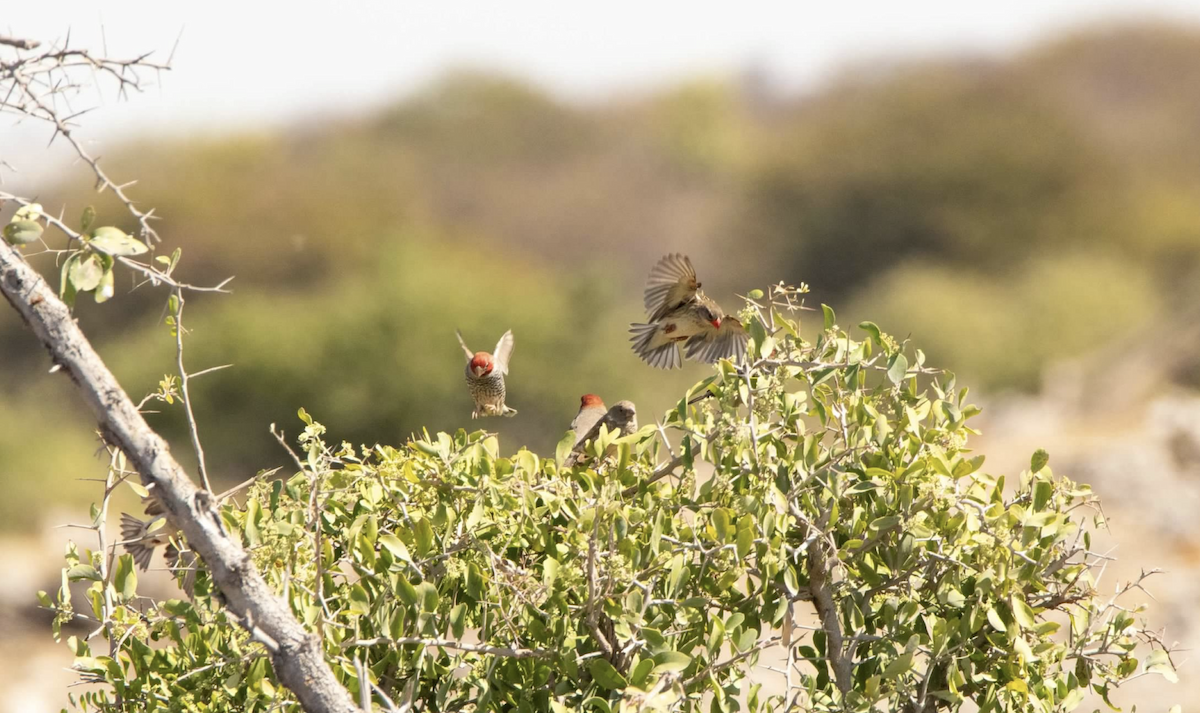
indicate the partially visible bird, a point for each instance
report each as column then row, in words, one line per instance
column 140, row 537
column 591, row 410
column 485, row 377
column 680, row 312
column 621, row 418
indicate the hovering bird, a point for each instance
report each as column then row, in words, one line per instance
column 485, row 377
column 591, row 410
column 141, row 537
column 680, row 312
column 621, row 418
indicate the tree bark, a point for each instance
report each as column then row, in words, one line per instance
column 297, row 655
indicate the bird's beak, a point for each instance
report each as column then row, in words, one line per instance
column 716, row 323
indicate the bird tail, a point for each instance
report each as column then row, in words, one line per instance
column 133, row 535
column 663, row 356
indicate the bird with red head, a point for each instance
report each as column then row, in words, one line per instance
column 485, row 377
column 591, row 410
column 680, row 313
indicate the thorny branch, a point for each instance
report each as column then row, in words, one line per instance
column 33, row 85
column 297, row 655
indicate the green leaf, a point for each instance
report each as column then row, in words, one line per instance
column 1039, row 460
column 360, row 603
column 755, row 294
column 66, row 289
column 898, row 368
column 428, row 595
column 607, row 676
column 563, row 449
column 872, row 329
column 86, row 220
column 886, row 522
column 549, row 572
column 641, row 672
column 125, row 578
column 253, row 517
column 116, row 242
column 423, row 532
column 1022, row 613
column 396, row 547
column 405, row 590
column 830, row 317
column 458, row 620
column 1042, row 491
column 33, row 211
column 104, row 290
column 745, row 535
column 84, row 571
column 898, row 666
column 86, row 273
column 995, row 620
column 671, row 661
column 22, row 232
column 721, row 523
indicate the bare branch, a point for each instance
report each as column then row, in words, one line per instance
column 184, row 377
column 37, row 82
column 19, row 43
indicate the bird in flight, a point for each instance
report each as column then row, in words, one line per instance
column 485, row 377
column 681, row 314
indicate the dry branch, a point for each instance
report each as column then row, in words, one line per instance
column 298, row 656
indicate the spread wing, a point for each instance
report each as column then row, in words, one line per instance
column 672, row 282
column 470, row 354
column 503, row 352
column 710, row 344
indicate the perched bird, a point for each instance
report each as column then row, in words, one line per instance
column 680, row 312
column 591, row 410
column 485, row 377
column 621, row 418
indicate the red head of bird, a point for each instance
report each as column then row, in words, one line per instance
column 591, row 400
column 481, row 364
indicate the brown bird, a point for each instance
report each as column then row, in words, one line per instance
column 621, row 418
column 485, row 377
column 141, row 537
column 680, row 312
column 591, row 410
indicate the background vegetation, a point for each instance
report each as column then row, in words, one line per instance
column 1004, row 213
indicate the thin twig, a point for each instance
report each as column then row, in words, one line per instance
column 193, row 427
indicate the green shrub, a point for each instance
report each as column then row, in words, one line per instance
column 831, row 476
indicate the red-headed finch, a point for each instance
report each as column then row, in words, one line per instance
column 485, row 377
column 680, row 312
column 591, row 410
column 621, row 419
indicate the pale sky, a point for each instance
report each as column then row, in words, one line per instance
column 246, row 63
